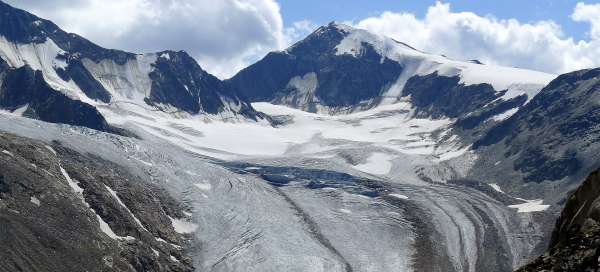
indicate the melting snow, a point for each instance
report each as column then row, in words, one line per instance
column 399, row 196
column 51, row 149
column 104, row 227
column 74, row 185
column 182, row 226
column 530, row 206
column 505, row 115
column 34, row 200
column 114, row 194
column 496, row 187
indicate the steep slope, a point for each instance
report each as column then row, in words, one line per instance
column 550, row 143
column 167, row 81
column 575, row 244
column 339, row 69
column 64, row 211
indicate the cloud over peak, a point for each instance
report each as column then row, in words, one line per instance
column 465, row 35
column 223, row 35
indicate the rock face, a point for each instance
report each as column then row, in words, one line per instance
column 177, row 71
column 64, row 211
column 575, row 244
column 83, row 71
column 340, row 69
column 23, row 89
column 551, row 139
column 311, row 73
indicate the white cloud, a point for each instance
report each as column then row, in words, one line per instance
column 299, row 30
column 465, row 35
column 590, row 14
column 224, row 35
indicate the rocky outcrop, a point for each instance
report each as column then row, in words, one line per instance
column 25, row 89
column 575, row 244
column 177, row 80
column 64, row 211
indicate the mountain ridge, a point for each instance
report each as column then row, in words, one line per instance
column 97, row 76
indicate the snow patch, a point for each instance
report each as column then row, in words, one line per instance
column 8, row 153
column 182, row 226
column 399, row 196
column 44, row 57
column 50, row 149
column 21, row 110
column 118, row 199
column 35, row 201
column 377, row 164
column 530, row 206
column 505, row 115
column 104, row 227
column 496, row 187
column 73, row 184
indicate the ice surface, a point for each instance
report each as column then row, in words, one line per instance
column 377, row 163
column 247, row 224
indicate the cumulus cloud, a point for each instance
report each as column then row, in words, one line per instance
column 465, row 35
column 224, row 36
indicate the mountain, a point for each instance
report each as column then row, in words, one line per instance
column 575, row 240
column 38, row 54
column 348, row 151
column 341, row 69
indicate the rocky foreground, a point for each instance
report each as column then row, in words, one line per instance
column 575, row 244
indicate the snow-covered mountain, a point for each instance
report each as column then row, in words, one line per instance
column 348, row 151
column 92, row 76
column 340, row 69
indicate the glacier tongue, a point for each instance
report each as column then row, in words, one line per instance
column 310, row 211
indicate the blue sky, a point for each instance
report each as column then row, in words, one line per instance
column 321, row 12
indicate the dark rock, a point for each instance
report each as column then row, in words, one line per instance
column 46, row 226
column 438, row 96
column 343, row 81
column 25, row 87
column 574, row 245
